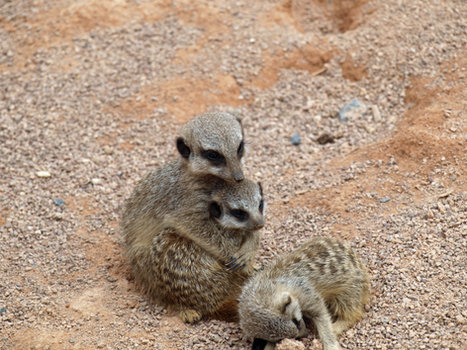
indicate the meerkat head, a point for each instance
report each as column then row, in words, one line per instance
column 213, row 143
column 270, row 314
column 238, row 206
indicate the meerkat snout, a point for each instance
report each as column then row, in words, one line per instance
column 238, row 177
column 259, row 224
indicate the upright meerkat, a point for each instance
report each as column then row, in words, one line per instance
column 201, row 259
column 323, row 280
column 171, row 207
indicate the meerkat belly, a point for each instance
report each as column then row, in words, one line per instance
column 188, row 276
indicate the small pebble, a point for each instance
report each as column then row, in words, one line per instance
column 325, row 138
column 95, row 181
column 295, row 139
column 58, row 201
column 376, row 113
column 461, row 319
column 352, row 110
column 72, row 341
column 386, row 199
column 2, row 310
column 441, row 208
column 43, row 174
column 290, row 344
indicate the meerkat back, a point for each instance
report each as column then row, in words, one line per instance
column 322, row 280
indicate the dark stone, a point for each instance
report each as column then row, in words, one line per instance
column 295, row 139
column 58, row 202
column 325, row 138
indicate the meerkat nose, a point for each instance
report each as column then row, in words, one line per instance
column 238, row 177
column 259, row 224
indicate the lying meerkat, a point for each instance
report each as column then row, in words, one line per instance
column 323, row 280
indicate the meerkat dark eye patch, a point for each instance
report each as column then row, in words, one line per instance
column 239, row 214
column 213, row 156
column 296, row 322
column 259, row 344
column 215, row 210
column 261, row 205
column 241, row 148
column 183, row 148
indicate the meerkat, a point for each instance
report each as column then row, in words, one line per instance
column 213, row 144
column 322, row 280
column 212, row 147
column 201, row 259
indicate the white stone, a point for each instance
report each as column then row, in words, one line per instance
column 43, row 174
column 376, row 113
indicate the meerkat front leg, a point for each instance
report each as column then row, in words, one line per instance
column 326, row 331
column 243, row 259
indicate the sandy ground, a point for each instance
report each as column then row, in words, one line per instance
column 93, row 93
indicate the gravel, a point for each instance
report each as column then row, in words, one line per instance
column 91, row 99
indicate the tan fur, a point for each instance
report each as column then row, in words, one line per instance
column 182, row 256
column 220, row 132
column 323, row 280
column 186, row 267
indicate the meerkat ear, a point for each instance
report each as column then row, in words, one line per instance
column 286, row 299
column 183, row 148
column 215, row 210
column 241, row 126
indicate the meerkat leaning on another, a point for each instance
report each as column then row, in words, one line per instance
column 189, row 265
column 322, row 280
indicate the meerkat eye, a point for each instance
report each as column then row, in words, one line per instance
column 239, row 214
column 261, row 205
column 297, row 323
column 213, row 156
column 215, row 210
column 241, row 148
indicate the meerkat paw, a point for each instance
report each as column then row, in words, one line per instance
column 241, row 262
column 189, row 316
column 252, row 267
